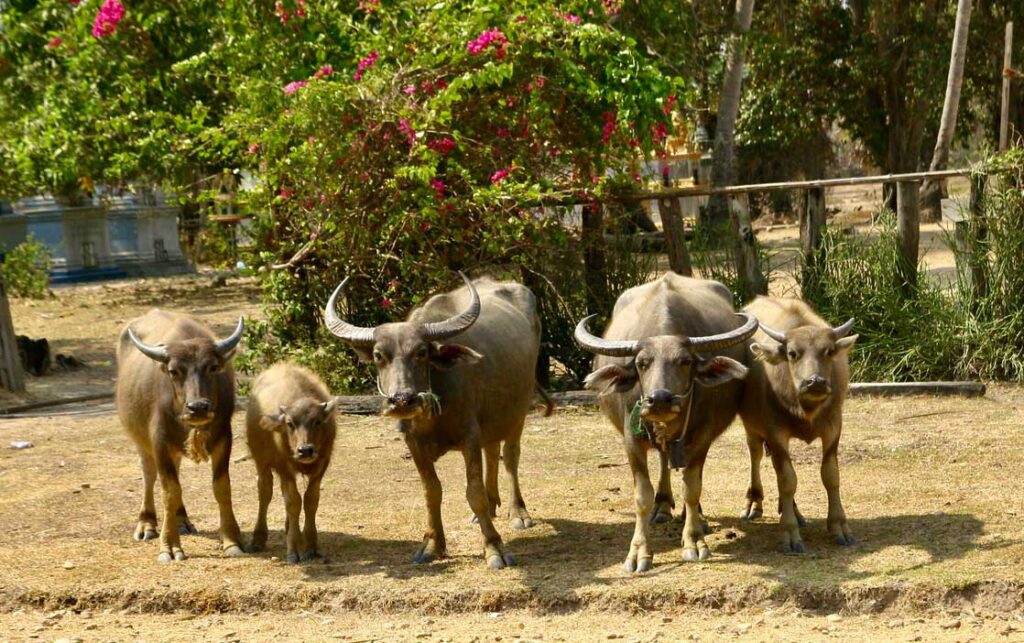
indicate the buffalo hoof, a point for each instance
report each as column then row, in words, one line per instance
column 691, row 554
column 751, row 514
column 234, row 551
column 501, row 562
column 661, row 517
column 792, row 548
column 292, row 558
column 423, row 557
column 186, row 528
column 845, row 540
column 255, row 548
column 148, row 534
column 168, row 557
column 310, row 556
column 521, row 523
column 638, row 565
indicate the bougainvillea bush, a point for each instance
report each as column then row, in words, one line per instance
column 394, row 142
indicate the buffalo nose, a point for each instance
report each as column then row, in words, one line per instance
column 198, row 406
column 403, row 399
column 306, row 451
column 814, row 385
column 661, row 396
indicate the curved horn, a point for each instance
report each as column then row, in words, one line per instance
column 355, row 335
column 725, row 340
column 455, row 325
column 601, row 346
column 228, row 344
column 158, row 352
column 774, row 334
column 841, row 331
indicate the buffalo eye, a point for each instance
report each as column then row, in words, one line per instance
column 830, row 351
column 378, row 357
column 642, row 364
column 792, row 354
column 421, row 353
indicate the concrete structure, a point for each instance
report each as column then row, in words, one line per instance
column 104, row 238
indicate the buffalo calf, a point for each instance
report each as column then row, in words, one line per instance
column 175, row 397
column 795, row 388
column 290, row 428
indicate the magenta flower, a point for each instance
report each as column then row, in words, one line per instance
column 323, row 72
column 107, row 19
column 53, row 44
column 568, row 17
column 439, row 188
column 608, row 128
column 294, row 86
column 74, row 1
column 285, row 193
column 405, row 128
column 660, row 131
column 500, row 176
column 255, row 147
column 487, row 38
column 411, row 89
column 385, row 303
column 369, row 6
column 365, row 64
column 669, row 102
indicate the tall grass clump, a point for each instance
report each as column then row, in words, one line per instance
column 904, row 335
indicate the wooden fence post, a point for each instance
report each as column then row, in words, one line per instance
column 595, row 271
column 970, row 236
column 751, row 279
column 11, row 377
column 812, row 225
column 675, row 236
column 908, row 226
column 1004, row 108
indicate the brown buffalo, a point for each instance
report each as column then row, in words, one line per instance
column 468, row 396
column 290, row 428
column 175, row 396
column 657, row 360
column 796, row 388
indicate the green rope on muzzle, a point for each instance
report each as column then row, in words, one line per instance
column 637, row 426
column 431, row 400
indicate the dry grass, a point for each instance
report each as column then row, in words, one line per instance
column 932, row 488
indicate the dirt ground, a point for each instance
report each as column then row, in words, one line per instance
column 931, row 486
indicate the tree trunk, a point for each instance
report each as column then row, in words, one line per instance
column 723, row 171
column 933, row 191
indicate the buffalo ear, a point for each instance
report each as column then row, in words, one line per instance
column 330, row 405
column 846, row 343
column 445, row 356
column 273, row 422
column 613, row 377
column 364, row 354
column 768, row 355
column 719, row 370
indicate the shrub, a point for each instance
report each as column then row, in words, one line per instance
column 26, row 269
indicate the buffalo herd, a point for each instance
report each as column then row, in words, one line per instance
column 673, row 368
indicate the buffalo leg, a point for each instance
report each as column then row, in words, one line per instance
column 791, row 541
column 518, row 516
column 640, row 557
column 220, row 458
column 755, row 492
column 491, row 477
column 694, row 545
column 433, row 538
column 170, row 539
column 185, row 526
column 292, row 508
column 830, row 478
column 146, row 527
column 265, row 491
column 663, row 501
column 310, row 504
column 476, row 495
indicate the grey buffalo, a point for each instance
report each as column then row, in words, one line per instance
column 668, row 367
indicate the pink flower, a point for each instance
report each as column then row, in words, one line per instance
column 411, row 89
column 53, row 44
column 385, row 303
column 669, row 102
column 405, row 128
column 107, row 19
column 255, row 147
column 294, row 86
column 491, row 37
column 323, row 72
column 369, row 6
column 568, row 17
column 500, row 176
column 442, row 145
column 74, row 1
column 608, row 128
column 365, row 64
column 285, row 194
column 439, row 188
column 660, row 131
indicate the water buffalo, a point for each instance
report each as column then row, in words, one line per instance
column 175, row 396
column 796, row 388
column 658, row 345
column 290, row 429
column 469, row 396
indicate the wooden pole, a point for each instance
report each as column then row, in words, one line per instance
column 595, row 271
column 11, row 377
column 1004, row 111
column 675, row 236
column 812, row 224
column 908, row 226
column 974, row 244
column 751, row 279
